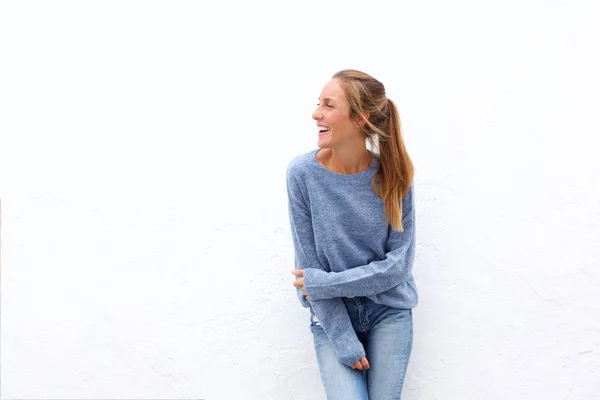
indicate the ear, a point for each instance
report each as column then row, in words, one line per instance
column 361, row 122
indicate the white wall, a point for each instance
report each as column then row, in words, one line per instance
column 145, row 241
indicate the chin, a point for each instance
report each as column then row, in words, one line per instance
column 324, row 144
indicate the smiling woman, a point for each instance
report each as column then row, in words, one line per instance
column 352, row 221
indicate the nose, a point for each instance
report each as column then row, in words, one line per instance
column 317, row 115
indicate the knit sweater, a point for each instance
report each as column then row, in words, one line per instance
column 346, row 248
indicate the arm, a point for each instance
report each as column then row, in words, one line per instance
column 377, row 276
column 332, row 313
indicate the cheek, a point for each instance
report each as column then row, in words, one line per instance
column 335, row 120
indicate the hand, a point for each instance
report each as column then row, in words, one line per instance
column 299, row 283
column 361, row 364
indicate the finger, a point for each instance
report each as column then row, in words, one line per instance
column 308, row 298
column 299, row 283
column 298, row 272
column 365, row 363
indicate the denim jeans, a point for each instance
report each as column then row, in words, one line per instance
column 386, row 333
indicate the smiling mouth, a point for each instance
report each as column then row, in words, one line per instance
column 323, row 130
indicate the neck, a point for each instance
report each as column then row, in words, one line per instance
column 347, row 160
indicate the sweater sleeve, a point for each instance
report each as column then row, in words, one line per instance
column 332, row 313
column 377, row 276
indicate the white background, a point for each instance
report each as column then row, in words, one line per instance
column 146, row 250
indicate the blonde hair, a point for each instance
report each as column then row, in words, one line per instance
column 369, row 103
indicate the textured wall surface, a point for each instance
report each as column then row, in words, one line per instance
column 146, row 251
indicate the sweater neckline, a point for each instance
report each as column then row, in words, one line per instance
column 319, row 168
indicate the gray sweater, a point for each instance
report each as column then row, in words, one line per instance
column 346, row 248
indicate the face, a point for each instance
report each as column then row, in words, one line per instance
column 335, row 127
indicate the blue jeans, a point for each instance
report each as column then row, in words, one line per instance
column 386, row 333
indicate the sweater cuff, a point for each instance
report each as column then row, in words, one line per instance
column 314, row 280
column 348, row 349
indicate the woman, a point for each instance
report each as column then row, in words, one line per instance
column 353, row 227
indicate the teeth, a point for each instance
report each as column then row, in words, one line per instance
column 322, row 128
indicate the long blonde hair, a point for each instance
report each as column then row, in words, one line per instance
column 369, row 103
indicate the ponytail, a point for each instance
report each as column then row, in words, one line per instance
column 395, row 174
